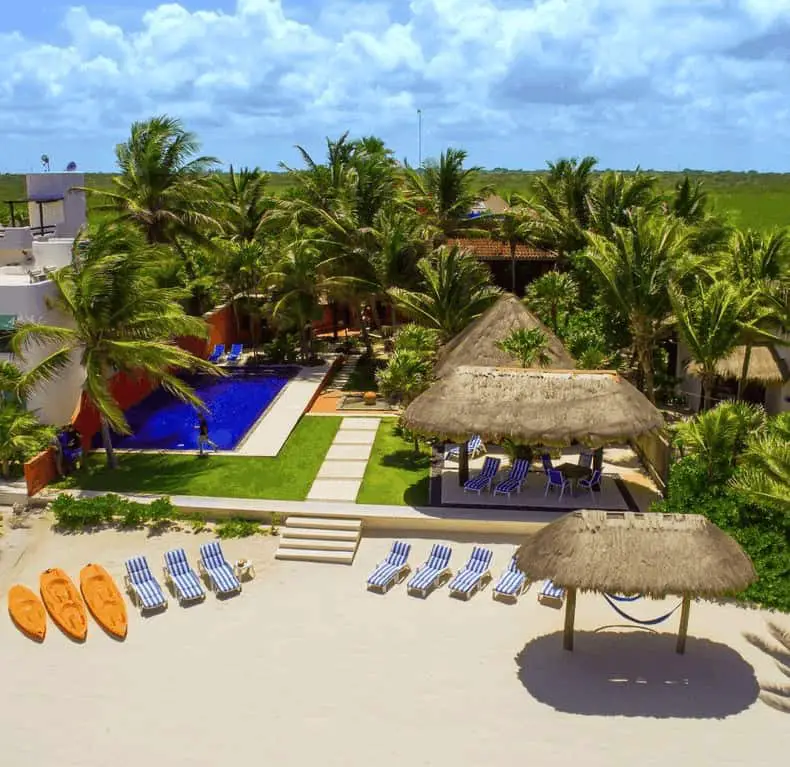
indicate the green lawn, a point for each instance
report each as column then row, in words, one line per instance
column 395, row 474
column 287, row 477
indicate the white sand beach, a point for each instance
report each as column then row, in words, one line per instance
column 307, row 668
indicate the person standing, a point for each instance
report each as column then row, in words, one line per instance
column 203, row 439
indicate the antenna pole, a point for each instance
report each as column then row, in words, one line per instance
column 419, row 138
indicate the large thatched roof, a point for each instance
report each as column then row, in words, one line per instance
column 477, row 344
column 629, row 553
column 532, row 407
column 765, row 365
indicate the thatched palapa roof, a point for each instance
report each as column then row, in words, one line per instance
column 532, row 407
column 765, row 365
column 630, row 553
column 477, row 344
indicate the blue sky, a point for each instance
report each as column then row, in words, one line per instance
column 666, row 84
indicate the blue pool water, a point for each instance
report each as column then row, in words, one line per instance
column 235, row 403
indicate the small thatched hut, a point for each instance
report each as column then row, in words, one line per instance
column 533, row 407
column 630, row 553
column 765, row 365
column 477, row 344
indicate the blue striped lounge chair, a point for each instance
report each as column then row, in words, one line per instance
column 515, row 479
column 392, row 570
column 182, row 578
column 473, row 575
column 234, row 355
column 215, row 568
column 484, row 479
column 551, row 595
column 429, row 575
column 474, row 448
column 512, row 583
column 217, row 353
column 143, row 588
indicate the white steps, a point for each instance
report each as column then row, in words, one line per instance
column 317, row 539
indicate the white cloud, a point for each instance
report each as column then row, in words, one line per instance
column 594, row 75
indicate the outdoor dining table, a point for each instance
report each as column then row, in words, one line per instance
column 574, row 472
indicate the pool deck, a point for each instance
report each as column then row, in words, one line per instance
column 268, row 435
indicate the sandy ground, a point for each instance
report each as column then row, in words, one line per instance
column 307, row 668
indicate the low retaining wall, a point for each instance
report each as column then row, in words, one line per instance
column 40, row 471
column 655, row 452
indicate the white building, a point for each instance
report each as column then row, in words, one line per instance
column 28, row 254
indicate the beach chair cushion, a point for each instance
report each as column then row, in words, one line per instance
column 186, row 580
column 144, row 583
column 518, row 473
column 218, row 569
column 437, row 563
column 551, row 591
column 470, row 574
column 399, row 553
column 217, row 352
column 387, row 570
column 473, row 446
column 486, row 475
column 235, row 352
column 510, row 582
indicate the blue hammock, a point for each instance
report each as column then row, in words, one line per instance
column 628, row 617
column 618, row 598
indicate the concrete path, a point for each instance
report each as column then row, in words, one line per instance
column 341, row 474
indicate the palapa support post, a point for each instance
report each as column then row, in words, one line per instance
column 570, row 616
column 685, row 609
column 463, row 463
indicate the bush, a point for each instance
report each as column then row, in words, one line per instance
column 73, row 513
column 237, row 528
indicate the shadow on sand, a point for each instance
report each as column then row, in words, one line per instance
column 637, row 674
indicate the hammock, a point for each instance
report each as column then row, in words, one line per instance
column 653, row 622
column 618, row 598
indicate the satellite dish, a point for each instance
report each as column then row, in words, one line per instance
column 45, row 162
column 71, row 167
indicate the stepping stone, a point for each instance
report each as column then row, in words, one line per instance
column 342, row 470
column 334, row 490
column 348, row 452
column 349, row 437
column 360, row 424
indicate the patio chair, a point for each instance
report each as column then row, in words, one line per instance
column 473, row 575
column 181, row 578
column 484, row 479
column 551, row 595
column 585, row 459
column 474, row 448
column 215, row 568
column 144, row 590
column 234, row 355
column 515, row 479
column 512, row 583
column 393, row 569
column 217, row 353
column 589, row 484
column 556, row 479
column 429, row 575
column 547, row 464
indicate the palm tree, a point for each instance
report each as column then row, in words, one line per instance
column 162, row 187
column 635, row 269
column 764, row 473
column 21, row 434
column 444, row 191
column 515, row 226
column 407, row 374
column 121, row 321
column 245, row 265
column 529, row 346
column 551, row 295
column 243, row 203
column 713, row 321
column 456, row 290
column 691, row 204
column 614, row 196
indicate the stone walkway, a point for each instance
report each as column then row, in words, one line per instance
column 341, row 474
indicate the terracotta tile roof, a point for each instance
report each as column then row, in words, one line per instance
column 493, row 250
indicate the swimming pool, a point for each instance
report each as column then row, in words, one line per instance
column 234, row 404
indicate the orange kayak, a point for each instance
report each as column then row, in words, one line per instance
column 104, row 600
column 27, row 612
column 63, row 602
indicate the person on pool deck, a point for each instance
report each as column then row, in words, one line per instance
column 203, row 439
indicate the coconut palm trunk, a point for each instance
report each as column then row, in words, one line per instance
column 747, row 357
column 106, row 439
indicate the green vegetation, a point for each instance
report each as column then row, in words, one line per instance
column 73, row 514
column 395, row 474
column 286, row 477
column 239, row 528
column 363, row 376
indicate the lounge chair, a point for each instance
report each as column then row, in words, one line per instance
column 474, row 448
column 217, row 353
column 589, row 484
column 144, row 590
column 484, row 479
column 234, row 355
column 557, row 479
column 182, row 578
column 473, row 575
column 393, row 569
column 436, row 567
column 551, row 595
column 515, row 480
column 512, row 583
column 215, row 568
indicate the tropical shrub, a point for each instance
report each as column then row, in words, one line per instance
column 238, row 528
column 529, row 347
column 73, row 513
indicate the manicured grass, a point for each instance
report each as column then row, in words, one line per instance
column 395, row 474
column 287, row 477
column 363, row 376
